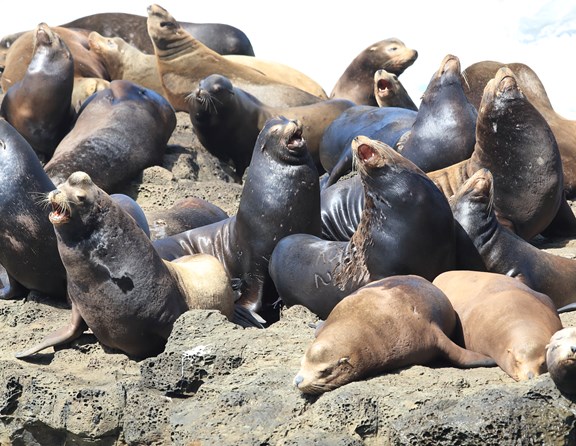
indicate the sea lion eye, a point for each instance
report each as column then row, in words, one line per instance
column 81, row 197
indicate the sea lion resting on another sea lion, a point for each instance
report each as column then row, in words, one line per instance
column 118, row 285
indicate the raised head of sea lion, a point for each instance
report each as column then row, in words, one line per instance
column 406, row 227
column 444, row 131
column 183, row 61
column 389, row 91
column 120, row 131
column 356, row 83
column 39, row 104
column 561, row 359
column 118, row 285
column 502, row 318
column 28, row 249
column 280, row 197
column 505, row 252
column 514, row 142
column 386, row 325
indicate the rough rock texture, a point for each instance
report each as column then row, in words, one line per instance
column 219, row 384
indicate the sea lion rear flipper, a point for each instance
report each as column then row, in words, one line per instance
column 65, row 334
column 564, row 222
column 459, row 356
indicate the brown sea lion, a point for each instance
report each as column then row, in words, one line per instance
column 28, row 249
column 444, row 131
column 183, row 61
column 356, row 83
column 406, row 227
column 505, row 252
column 280, row 197
column 84, row 87
column 227, row 120
column 502, row 318
column 86, row 62
column 389, row 91
column 561, row 359
column 513, row 141
column 119, row 131
column 478, row 74
column 39, row 104
column 220, row 37
column 386, row 325
column 118, row 285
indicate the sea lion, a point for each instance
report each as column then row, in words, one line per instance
column 28, row 249
column 84, row 87
column 386, row 325
column 124, row 61
column 386, row 124
column 227, row 120
column 479, row 73
column 561, row 359
column 119, row 131
column 505, row 252
column 184, row 214
column 513, row 141
column 86, row 62
column 389, row 91
column 502, row 318
column 406, row 227
column 39, row 105
column 280, row 197
column 220, row 37
column 356, row 82
column 118, row 285
column 183, row 61
column 134, row 210
column 444, row 132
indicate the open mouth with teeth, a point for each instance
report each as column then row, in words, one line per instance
column 59, row 214
column 295, row 142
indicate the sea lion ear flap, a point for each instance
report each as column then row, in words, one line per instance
column 344, row 360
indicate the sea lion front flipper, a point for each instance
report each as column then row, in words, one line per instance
column 65, row 334
column 459, row 356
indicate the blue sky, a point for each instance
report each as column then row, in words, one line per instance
column 320, row 38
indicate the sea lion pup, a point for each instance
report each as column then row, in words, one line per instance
column 28, row 249
column 227, row 120
column 186, row 213
column 220, row 37
column 561, row 359
column 406, row 227
column 502, row 318
column 183, row 61
column 514, row 142
column 86, row 62
column 84, row 87
column 119, row 132
column 505, row 252
column 386, row 325
column 445, row 127
column 389, row 91
column 281, row 196
column 357, row 80
column 118, row 285
column 39, row 105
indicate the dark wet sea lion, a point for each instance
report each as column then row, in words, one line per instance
column 28, row 248
column 389, row 91
column 444, row 130
column 227, row 120
column 220, row 37
column 561, row 359
column 406, row 227
column 505, row 252
column 39, row 105
column 183, row 61
column 513, row 141
column 386, row 325
column 280, row 196
column 356, row 83
column 119, row 131
column 118, row 285
column 502, row 318
column 478, row 74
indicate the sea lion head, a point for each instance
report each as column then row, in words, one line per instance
column 561, row 359
column 499, row 93
column 396, row 56
column 385, row 85
column 527, row 361
column 449, row 71
column 473, row 203
column 48, row 45
column 214, row 92
column 165, row 32
column 282, row 137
